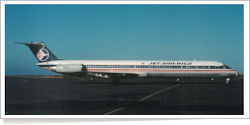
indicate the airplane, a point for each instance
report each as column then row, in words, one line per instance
column 117, row 70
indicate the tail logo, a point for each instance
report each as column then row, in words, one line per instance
column 42, row 54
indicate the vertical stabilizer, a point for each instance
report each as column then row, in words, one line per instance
column 40, row 51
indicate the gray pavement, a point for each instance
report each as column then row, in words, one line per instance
column 35, row 95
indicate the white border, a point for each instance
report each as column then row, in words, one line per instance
column 246, row 59
column 124, row 2
column 2, row 59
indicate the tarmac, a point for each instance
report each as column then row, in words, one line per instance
column 55, row 95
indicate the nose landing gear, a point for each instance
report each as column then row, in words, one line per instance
column 227, row 80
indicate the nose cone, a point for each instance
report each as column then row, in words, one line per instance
column 236, row 73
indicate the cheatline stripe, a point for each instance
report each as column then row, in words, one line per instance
column 165, row 70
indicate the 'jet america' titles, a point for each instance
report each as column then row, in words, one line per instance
column 170, row 63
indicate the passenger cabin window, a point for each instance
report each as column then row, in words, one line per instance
column 158, row 67
column 193, row 67
column 202, row 67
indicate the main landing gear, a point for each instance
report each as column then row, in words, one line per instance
column 178, row 80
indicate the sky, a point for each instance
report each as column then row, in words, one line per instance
column 124, row 32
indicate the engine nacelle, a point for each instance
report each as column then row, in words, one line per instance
column 69, row 68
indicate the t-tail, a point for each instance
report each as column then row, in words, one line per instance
column 40, row 51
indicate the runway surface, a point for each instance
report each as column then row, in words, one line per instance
column 36, row 95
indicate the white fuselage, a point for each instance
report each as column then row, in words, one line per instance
column 111, row 68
